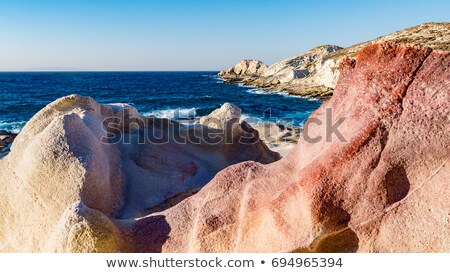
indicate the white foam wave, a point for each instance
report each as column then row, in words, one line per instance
column 13, row 126
column 262, row 91
column 283, row 93
column 179, row 113
column 120, row 104
column 257, row 91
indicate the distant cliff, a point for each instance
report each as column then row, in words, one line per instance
column 315, row 73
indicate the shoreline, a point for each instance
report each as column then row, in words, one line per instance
column 278, row 137
column 307, row 92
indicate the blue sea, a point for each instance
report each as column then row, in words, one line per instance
column 193, row 94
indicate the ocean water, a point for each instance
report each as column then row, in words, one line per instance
column 175, row 95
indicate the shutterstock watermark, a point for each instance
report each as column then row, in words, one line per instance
column 127, row 128
column 331, row 128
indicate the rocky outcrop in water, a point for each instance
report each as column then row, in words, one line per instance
column 315, row 73
column 6, row 139
column 301, row 69
column 379, row 183
column 244, row 69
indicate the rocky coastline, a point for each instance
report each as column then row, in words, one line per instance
column 314, row 74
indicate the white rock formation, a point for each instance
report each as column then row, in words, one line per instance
column 245, row 68
column 299, row 67
column 80, row 170
column 220, row 118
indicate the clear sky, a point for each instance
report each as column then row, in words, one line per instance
column 191, row 35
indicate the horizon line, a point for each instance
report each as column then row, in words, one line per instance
column 81, row 71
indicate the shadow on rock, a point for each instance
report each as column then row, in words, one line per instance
column 397, row 184
column 343, row 241
column 150, row 234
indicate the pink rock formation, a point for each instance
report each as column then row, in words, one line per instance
column 385, row 189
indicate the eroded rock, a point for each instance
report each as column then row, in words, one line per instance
column 385, row 188
column 79, row 169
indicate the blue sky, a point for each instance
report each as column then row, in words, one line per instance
column 191, row 35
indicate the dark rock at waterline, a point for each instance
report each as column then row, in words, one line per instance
column 6, row 132
column 6, row 139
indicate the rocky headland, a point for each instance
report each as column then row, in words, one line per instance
column 315, row 73
column 87, row 177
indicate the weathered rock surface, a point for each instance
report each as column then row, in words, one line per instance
column 381, row 185
column 79, row 170
column 315, row 73
column 299, row 66
column 385, row 189
column 225, row 116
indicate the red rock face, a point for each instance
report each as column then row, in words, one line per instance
column 384, row 189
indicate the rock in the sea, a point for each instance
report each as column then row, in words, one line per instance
column 370, row 174
column 293, row 74
column 244, row 69
column 79, row 170
column 223, row 117
column 6, row 138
